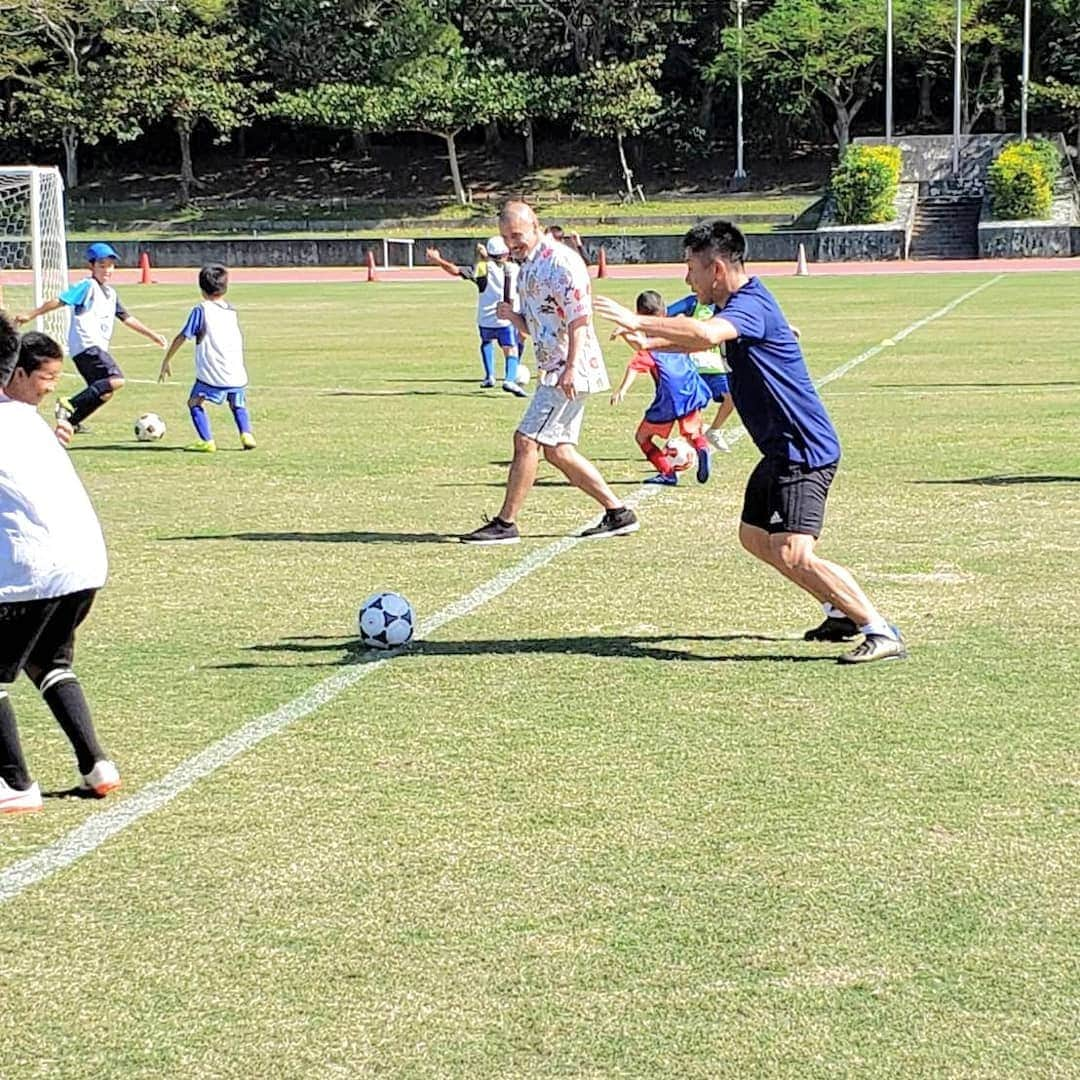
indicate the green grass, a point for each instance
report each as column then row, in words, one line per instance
column 151, row 222
column 619, row 821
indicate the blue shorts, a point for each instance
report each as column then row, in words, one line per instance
column 218, row 395
column 506, row 336
column 717, row 383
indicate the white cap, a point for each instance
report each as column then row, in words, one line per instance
column 496, row 246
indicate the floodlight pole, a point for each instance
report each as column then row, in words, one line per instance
column 888, row 70
column 957, row 90
column 740, row 172
column 1025, row 71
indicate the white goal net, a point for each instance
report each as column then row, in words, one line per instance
column 33, row 243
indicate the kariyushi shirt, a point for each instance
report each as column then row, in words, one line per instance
column 50, row 540
column 555, row 291
column 219, row 344
column 94, row 311
column 770, row 384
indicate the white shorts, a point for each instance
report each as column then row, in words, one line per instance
column 552, row 418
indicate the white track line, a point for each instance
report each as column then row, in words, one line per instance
column 100, row 827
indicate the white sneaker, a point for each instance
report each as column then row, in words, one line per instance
column 101, row 779
column 13, row 801
column 715, row 438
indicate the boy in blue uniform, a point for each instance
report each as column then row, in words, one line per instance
column 784, row 505
column 220, row 373
column 495, row 278
column 712, row 368
column 681, row 394
column 95, row 307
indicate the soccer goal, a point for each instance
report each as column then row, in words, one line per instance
column 33, row 243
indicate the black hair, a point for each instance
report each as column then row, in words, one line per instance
column 556, row 231
column 650, row 302
column 214, row 279
column 35, row 349
column 717, row 239
column 9, row 348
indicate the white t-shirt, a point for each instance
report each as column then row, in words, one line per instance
column 50, row 540
column 219, row 344
column 490, row 278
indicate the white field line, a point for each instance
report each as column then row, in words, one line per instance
column 100, row 827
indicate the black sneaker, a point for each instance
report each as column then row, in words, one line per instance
column 876, row 647
column 833, row 629
column 616, row 522
column 495, row 531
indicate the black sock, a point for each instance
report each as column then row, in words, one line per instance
column 89, row 400
column 13, row 770
column 64, row 696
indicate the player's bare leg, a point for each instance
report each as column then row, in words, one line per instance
column 714, row 434
column 582, row 473
column 522, row 476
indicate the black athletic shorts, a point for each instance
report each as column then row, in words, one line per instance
column 782, row 496
column 95, row 364
column 41, row 633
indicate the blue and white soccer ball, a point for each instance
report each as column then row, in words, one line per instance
column 149, row 427
column 386, row 621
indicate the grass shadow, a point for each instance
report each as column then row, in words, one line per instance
column 330, row 537
column 1005, row 480
column 625, row 646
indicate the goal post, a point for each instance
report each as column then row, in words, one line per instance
column 33, row 243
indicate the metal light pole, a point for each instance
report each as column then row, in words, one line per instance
column 740, row 172
column 957, row 91
column 888, row 70
column 1025, row 70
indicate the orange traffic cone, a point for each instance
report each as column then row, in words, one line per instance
column 144, row 269
column 371, row 265
column 601, row 263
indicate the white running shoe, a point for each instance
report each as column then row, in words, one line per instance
column 716, row 440
column 13, row 801
column 101, row 779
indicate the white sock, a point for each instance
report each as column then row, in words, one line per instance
column 832, row 612
column 878, row 628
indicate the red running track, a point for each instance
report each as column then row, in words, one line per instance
column 300, row 275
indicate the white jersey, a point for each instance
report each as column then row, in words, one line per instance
column 94, row 310
column 490, row 278
column 50, row 540
column 219, row 344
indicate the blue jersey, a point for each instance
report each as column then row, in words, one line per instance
column 770, row 383
column 686, row 306
column 680, row 390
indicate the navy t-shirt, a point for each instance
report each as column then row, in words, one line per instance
column 770, row 384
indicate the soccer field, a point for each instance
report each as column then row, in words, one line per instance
column 611, row 817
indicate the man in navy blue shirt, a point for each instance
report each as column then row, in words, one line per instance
column 784, row 505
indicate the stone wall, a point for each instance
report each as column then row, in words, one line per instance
column 869, row 243
column 780, row 246
column 927, row 159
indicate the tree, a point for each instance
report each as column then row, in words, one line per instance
column 52, row 50
column 189, row 75
column 618, row 99
column 813, row 48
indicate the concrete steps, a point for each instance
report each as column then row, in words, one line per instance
column 945, row 228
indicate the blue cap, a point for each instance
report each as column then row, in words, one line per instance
column 101, row 250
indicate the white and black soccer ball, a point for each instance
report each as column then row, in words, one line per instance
column 681, row 454
column 149, row 427
column 386, row 621
column 523, row 375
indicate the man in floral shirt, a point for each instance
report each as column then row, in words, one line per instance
column 556, row 311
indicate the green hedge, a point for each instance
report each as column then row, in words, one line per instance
column 864, row 184
column 1022, row 179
